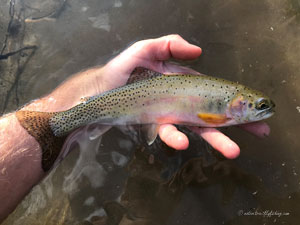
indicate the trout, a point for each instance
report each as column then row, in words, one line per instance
column 151, row 98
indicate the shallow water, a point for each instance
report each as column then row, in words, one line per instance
column 117, row 177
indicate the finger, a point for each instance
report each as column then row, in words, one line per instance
column 172, row 46
column 260, row 129
column 218, row 141
column 172, row 137
column 148, row 52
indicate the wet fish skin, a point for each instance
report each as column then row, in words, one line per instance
column 196, row 100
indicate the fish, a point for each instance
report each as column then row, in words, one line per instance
column 151, row 98
column 184, row 99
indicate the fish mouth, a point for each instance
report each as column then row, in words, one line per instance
column 266, row 113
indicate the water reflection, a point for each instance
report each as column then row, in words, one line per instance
column 109, row 180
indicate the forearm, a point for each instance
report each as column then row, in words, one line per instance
column 20, row 163
column 20, row 153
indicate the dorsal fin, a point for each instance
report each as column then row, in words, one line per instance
column 141, row 73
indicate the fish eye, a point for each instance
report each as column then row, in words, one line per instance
column 261, row 105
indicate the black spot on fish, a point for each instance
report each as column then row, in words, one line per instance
column 219, row 106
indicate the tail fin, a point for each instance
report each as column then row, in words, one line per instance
column 37, row 125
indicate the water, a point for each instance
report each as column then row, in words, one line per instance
column 254, row 42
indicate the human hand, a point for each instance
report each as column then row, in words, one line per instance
column 152, row 54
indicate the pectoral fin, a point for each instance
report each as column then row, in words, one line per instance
column 212, row 118
column 150, row 132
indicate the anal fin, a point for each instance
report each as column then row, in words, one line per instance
column 150, row 132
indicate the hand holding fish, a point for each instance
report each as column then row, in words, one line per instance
column 153, row 54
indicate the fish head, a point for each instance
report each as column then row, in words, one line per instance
column 251, row 106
